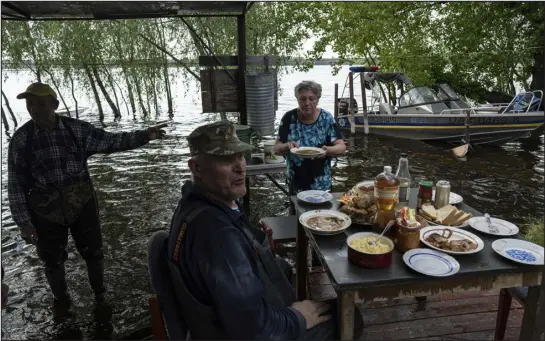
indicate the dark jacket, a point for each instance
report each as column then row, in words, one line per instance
column 222, row 269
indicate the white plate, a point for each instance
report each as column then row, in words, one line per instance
column 504, row 227
column 519, row 251
column 453, row 199
column 464, row 224
column 457, row 234
column 304, row 156
column 305, row 216
column 314, row 197
column 431, row 262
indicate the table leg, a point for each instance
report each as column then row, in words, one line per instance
column 530, row 311
column 301, row 263
column 345, row 314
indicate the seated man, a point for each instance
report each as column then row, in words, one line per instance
column 227, row 281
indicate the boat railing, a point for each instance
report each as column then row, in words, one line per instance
column 520, row 101
column 459, row 111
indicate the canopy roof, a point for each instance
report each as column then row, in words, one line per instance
column 89, row 10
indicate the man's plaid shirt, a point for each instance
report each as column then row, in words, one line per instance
column 56, row 160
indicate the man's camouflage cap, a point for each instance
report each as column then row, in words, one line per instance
column 218, row 138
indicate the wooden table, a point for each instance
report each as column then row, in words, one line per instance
column 485, row 270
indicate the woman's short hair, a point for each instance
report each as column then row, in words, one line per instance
column 308, row 85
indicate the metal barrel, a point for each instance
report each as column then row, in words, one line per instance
column 260, row 102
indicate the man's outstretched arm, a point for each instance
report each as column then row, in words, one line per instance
column 100, row 141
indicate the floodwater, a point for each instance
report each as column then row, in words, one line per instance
column 138, row 191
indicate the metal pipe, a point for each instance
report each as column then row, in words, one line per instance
column 350, row 107
column 364, row 106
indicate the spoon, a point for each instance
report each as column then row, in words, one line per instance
column 383, row 232
column 489, row 221
column 325, row 192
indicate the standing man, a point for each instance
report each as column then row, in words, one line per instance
column 50, row 190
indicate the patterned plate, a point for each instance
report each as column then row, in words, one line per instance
column 303, row 218
column 520, row 251
column 314, row 197
column 431, row 262
column 457, row 234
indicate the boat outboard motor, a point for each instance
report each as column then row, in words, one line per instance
column 343, row 105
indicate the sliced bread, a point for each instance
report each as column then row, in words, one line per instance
column 454, row 217
column 445, row 213
column 462, row 219
column 429, row 212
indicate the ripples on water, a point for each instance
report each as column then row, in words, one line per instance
column 138, row 191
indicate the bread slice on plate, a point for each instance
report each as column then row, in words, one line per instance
column 454, row 217
column 462, row 219
column 445, row 213
column 429, row 212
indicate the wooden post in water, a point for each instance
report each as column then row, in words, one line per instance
column 350, row 107
column 364, row 105
column 336, row 104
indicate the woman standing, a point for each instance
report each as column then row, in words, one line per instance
column 309, row 126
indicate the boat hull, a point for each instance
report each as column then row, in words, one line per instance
column 450, row 128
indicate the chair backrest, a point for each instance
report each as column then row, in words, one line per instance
column 161, row 283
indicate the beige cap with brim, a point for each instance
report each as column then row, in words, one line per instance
column 38, row 89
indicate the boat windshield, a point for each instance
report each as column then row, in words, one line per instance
column 446, row 92
column 419, row 95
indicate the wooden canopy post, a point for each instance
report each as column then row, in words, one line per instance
column 350, row 106
column 336, row 104
column 241, row 29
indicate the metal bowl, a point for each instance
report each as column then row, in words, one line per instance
column 369, row 260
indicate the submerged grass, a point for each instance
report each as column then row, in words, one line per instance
column 533, row 229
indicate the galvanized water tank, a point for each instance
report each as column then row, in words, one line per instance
column 260, row 102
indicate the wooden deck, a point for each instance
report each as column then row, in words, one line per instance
column 471, row 316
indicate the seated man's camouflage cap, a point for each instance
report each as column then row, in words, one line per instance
column 218, row 138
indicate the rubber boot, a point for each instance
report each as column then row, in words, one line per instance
column 57, row 282
column 95, row 271
column 61, row 301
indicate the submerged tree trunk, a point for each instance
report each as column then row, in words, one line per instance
column 58, row 92
column 165, row 74
column 140, row 100
column 112, row 86
column 9, row 109
column 95, row 92
column 129, row 89
column 105, row 93
column 5, row 121
column 73, row 94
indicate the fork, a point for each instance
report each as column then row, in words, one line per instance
column 491, row 228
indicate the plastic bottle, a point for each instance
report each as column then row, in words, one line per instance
column 386, row 196
column 404, row 181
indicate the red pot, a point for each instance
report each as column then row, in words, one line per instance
column 370, row 260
